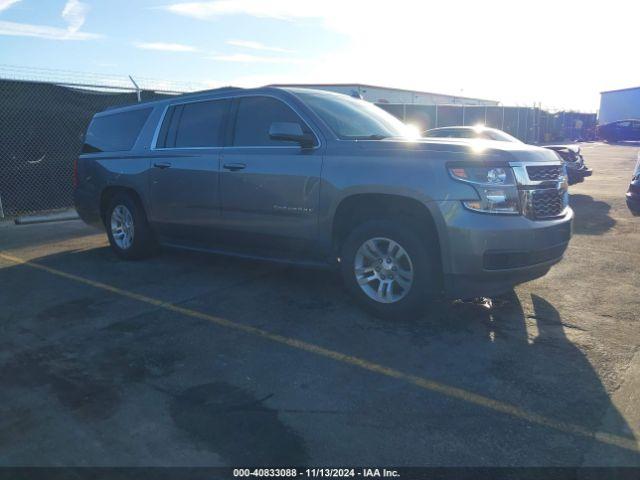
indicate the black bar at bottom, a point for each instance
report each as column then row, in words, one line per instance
column 404, row 473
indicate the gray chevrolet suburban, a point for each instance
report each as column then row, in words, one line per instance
column 318, row 178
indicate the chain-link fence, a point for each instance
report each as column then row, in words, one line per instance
column 41, row 130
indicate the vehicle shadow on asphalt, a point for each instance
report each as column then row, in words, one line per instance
column 591, row 216
column 503, row 353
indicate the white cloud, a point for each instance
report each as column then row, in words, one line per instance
column 75, row 14
column 282, row 9
column 165, row 47
column 246, row 58
column 256, row 46
column 43, row 31
column 4, row 4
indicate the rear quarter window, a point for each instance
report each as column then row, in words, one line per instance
column 115, row 133
column 196, row 124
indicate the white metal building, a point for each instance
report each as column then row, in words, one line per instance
column 390, row 95
column 620, row 104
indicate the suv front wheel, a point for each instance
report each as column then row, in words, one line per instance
column 389, row 269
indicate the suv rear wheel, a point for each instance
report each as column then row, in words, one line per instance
column 127, row 228
column 389, row 269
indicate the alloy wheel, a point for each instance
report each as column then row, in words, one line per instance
column 384, row 270
column 122, row 227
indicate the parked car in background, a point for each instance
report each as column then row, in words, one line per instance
column 569, row 154
column 619, row 131
column 480, row 131
column 633, row 194
column 572, row 157
column 320, row 178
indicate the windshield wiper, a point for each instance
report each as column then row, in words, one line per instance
column 376, row 136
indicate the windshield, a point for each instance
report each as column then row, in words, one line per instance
column 499, row 135
column 353, row 119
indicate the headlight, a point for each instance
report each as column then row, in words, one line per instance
column 496, row 188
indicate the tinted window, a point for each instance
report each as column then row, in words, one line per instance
column 452, row 133
column 115, row 133
column 466, row 134
column 201, row 124
column 437, row 134
column 255, row 116
column 167, row 123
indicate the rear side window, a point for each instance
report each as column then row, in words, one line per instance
column 437, row 133
column 254, row 118
column 115, row 133
column 197, row 124
column 447, row 134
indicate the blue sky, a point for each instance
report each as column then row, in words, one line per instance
column 561, row 54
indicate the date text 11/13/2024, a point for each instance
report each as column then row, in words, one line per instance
column 316, row 473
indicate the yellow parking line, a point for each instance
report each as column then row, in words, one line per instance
column 424, row 383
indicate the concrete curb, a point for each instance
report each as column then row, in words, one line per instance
column 52, row 217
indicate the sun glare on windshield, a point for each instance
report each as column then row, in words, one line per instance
column 412, row 132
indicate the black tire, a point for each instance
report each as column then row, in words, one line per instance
column 144, row 243
column 425, row 286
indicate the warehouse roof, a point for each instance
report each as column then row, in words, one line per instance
column 621, row 90
column 311, row 85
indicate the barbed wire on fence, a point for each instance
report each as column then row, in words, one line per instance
column 97, row 80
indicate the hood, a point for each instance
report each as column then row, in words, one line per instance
column 573, row 148
column 508, row 151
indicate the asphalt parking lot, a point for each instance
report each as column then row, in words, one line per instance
column 189, row 359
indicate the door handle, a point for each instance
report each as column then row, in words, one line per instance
column 162, row 165
column 234, row 166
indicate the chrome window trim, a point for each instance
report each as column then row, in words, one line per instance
column 156, row 134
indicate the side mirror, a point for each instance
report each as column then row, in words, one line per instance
column 290, row 132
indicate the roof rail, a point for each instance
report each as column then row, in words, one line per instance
column 214, row 90
column 199, row 92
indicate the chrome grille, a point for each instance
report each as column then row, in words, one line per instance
column 548, row 203
column 542, row 189
column 540, row 173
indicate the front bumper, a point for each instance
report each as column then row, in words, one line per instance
column 577, row 175
column 487, row 254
